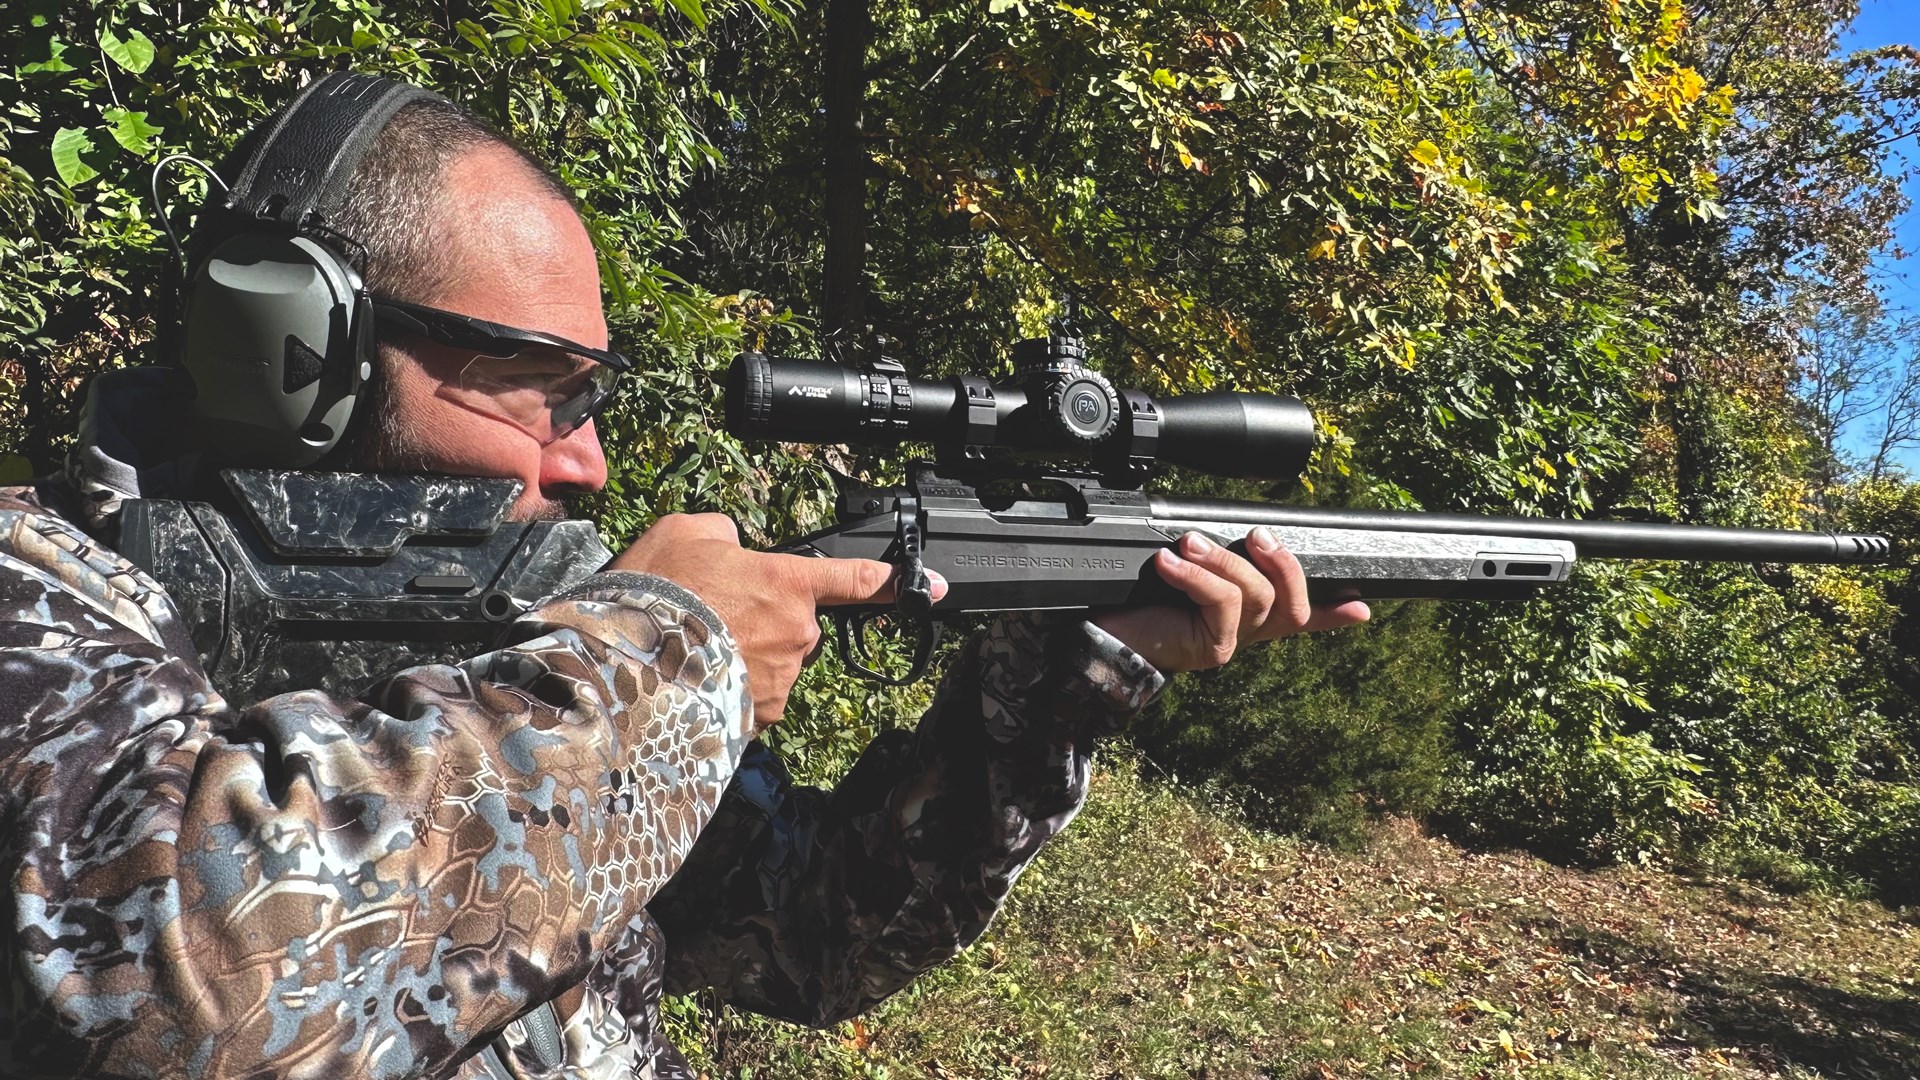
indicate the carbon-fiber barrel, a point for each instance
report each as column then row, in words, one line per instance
column 1592, row 539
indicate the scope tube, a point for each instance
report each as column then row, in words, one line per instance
column 1270, row 436
column 810, row 401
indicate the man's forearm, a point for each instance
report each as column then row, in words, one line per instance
column 325, row 886
column 813, row 906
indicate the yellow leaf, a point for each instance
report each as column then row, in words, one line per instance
column 1426, row 153
column 1323, row 250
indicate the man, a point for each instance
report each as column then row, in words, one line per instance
column 313, row 885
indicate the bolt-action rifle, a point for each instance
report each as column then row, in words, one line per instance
column 300, row 580
column 1012, row 528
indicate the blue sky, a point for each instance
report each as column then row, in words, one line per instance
column 1896, row 22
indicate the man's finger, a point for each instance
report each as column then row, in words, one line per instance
column 1335, row 616
column 1291, row 608
column 857, row 581
column 845, row 581
column 1256, row 592
column 1217, row 598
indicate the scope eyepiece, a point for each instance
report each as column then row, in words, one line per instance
column 1054, row 406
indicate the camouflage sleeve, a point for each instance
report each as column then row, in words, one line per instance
column 813, row 906
column 314, row 887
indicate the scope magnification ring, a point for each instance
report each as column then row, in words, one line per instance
column 1084, row 408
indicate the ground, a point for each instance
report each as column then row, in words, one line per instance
column 1162, row 938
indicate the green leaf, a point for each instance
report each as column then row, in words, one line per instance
column 134, row 53
column 695, row 13
column 1426, row 153
column 53, row 64
column 131, row 130
column 474, row 34
column 68, row 145
column 599, row 77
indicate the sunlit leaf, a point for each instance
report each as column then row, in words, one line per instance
column 68, row 146
column 131, row 130
column 133, row 52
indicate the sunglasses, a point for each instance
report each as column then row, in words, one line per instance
column 543, row 384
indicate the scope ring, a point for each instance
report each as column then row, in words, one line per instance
column 1064, row 398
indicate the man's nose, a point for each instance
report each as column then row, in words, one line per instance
column 574, row 465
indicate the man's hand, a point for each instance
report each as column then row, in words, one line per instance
column 768, row 602
column 1240, row 601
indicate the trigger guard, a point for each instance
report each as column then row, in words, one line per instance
column 849, row 626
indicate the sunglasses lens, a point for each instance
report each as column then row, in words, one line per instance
column 570, row 415
column 545, row 391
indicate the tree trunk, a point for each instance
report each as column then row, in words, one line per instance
column 843, row 315
column 37, row 448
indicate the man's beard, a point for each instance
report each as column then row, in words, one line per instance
column 544, row 509
column 389, row 446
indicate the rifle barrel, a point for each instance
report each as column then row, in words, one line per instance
column 1592, row 539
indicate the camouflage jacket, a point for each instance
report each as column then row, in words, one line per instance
column 380, row 887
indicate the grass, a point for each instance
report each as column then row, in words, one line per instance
column 1162, row 938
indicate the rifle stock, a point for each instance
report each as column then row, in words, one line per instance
column 1093, row 547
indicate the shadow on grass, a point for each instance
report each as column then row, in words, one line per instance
column 1771, row 1017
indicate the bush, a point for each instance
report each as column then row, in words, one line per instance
column 1318, row 733
column 1885, row 849
column 1703, row 714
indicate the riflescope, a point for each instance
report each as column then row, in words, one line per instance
column 1055, row 406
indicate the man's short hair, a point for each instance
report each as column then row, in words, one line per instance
column 387, row 214
column 391, row 200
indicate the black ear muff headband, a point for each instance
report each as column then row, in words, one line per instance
column 277, row 326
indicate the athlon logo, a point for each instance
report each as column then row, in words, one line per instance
column 820, row 392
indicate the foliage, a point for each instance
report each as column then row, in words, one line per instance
column 1319, row 734
column 1527, row 258
column 1158, row 938
column 1549, row 753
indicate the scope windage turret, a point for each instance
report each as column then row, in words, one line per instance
column 1055, row 406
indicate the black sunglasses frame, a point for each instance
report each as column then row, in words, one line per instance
column 487, row 338
column 499, row 340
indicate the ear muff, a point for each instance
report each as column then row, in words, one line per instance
column 276, row 344
column 277, row 328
